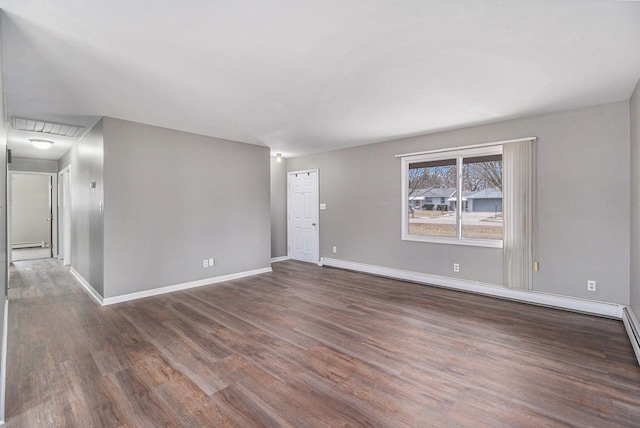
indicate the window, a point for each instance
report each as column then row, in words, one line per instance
column 466, row 188
column 483, row 195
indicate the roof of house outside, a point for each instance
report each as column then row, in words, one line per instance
column 450, row 194
column 490, row 193
column 445, row 192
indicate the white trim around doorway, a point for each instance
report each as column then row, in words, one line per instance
column 53, row 202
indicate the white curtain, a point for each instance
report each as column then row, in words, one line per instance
column 518, row 188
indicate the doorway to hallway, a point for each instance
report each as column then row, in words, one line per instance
column 31, row 226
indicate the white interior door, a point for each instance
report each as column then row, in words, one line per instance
column 302, row 214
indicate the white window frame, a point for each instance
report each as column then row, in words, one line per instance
column 459, row 155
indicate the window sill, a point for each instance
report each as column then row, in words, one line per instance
column 488, row 243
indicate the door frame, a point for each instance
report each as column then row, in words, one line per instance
column 289, row 236
column 64, row 216
column 53, row 201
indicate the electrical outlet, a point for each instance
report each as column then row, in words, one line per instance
column 335, row 249
column 212, row 262
column 456, row 267
column 591, row 285
column 205, row 263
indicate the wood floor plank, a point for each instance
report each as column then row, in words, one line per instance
column 246, row 408
column 184, row 356
column 307, row 346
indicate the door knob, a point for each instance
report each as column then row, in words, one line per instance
column 313, row 224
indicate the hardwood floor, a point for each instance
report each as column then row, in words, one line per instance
column 308, row 346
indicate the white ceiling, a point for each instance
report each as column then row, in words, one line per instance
column 309, row 76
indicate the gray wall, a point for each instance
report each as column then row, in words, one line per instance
column 3, row 228
column 33, row 165
column 278, row 208
column 634, row 106
column 173, row 199
column 583, row 203
column 86, row 158
column 65, row 160
column 30, row 208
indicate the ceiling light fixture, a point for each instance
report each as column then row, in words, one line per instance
column 41, row 144
column 278, row 157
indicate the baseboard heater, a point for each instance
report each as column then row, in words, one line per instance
column 40, row 244
column 633, row 330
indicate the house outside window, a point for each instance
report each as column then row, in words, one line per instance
column 467, row 184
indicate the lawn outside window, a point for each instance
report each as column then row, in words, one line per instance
column 454, row 197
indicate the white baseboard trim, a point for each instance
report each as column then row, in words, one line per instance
column 632, row 326
column 87, row 286
column 610, row 310
column 279, row 259
column 162, row 290
column 183, row 286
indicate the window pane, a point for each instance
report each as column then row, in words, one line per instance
column 432, row 185
column 482, row 197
